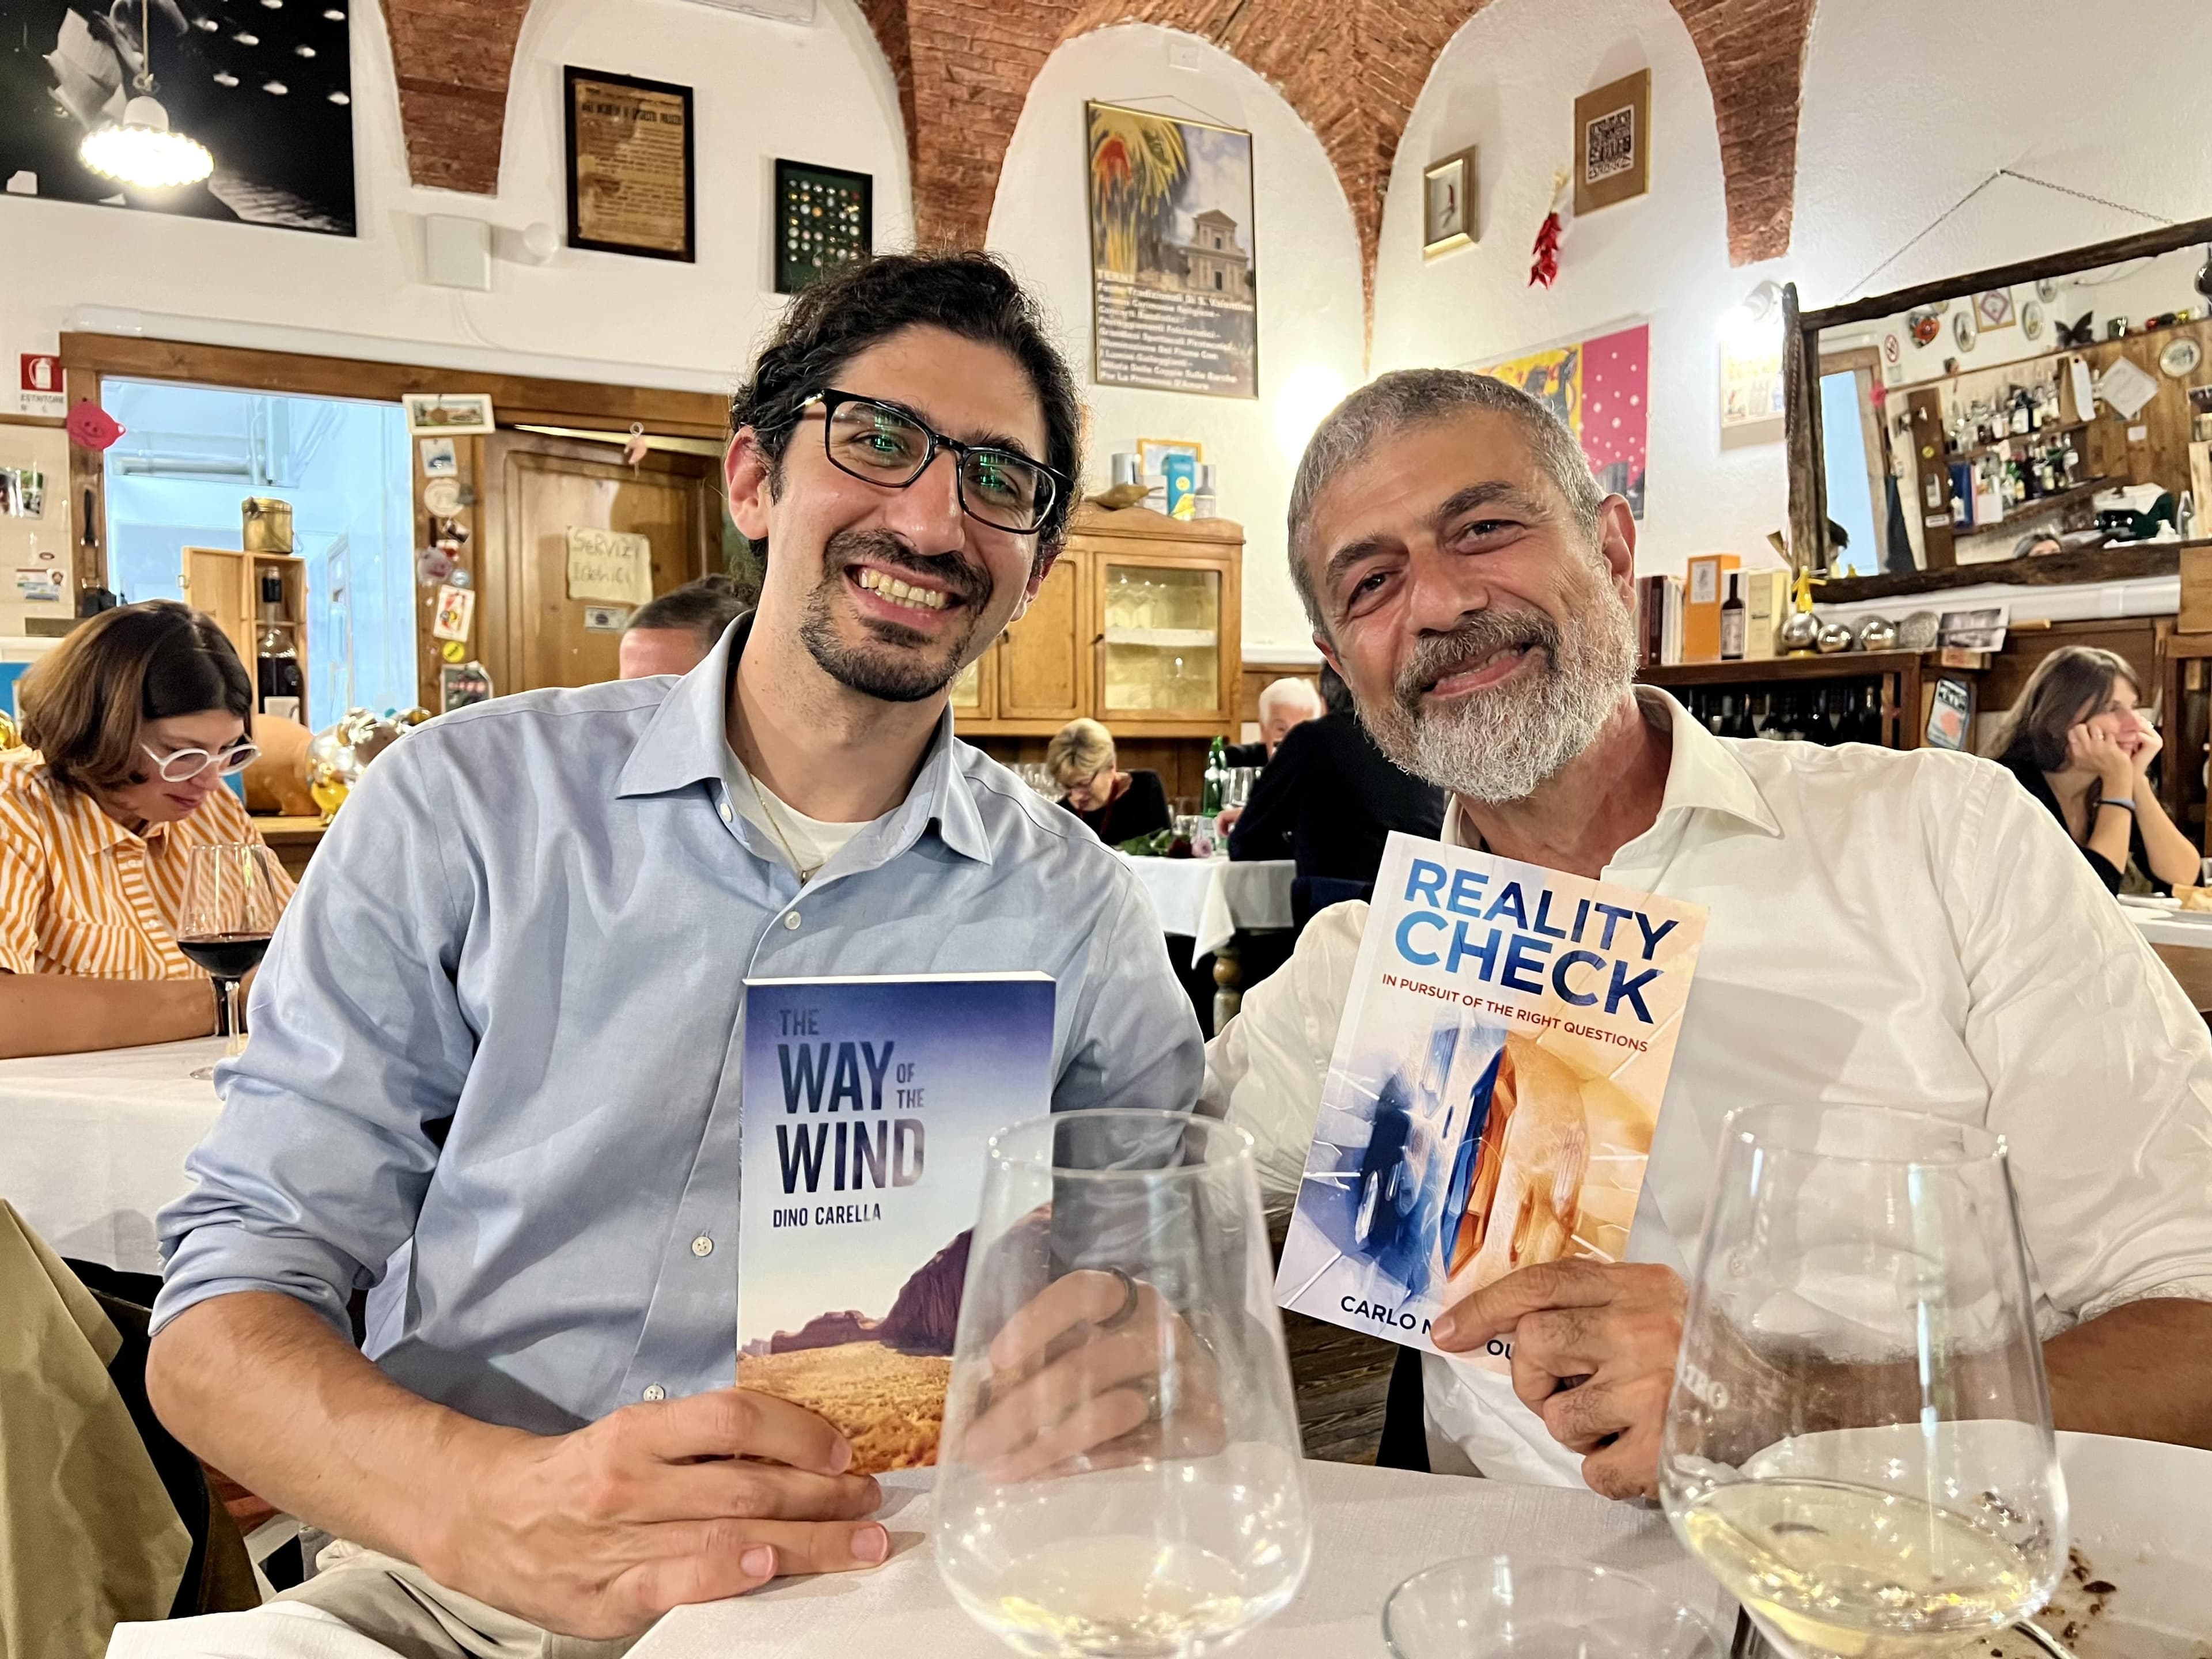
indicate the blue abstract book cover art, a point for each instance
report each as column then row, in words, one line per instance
column 868, row 1103
column 1496, row 1082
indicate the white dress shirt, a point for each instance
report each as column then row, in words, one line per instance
column 1892, row 929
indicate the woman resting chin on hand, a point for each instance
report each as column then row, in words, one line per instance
column 137, row 718
column 2078, row 741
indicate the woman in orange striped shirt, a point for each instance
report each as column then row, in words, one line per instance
column 137, row 717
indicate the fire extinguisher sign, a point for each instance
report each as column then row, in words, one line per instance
column 41, row 390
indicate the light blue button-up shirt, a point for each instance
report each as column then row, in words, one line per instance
column 501, row 1022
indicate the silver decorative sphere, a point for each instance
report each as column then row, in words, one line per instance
column 1877, row 634
column 1834, row 637
column 1802, row 632
column 1917, row 631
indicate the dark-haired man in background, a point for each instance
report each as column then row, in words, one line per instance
column 472, row 1034
column 673, row 633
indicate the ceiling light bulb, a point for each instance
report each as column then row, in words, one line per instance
column 144, row 152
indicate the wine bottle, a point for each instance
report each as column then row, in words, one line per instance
column 1217, row 774
column 1734, row 617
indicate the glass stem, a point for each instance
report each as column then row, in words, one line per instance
column 234, row 1007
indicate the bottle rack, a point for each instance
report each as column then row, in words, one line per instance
column 1903, row 682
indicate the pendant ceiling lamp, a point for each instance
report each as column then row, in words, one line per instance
column 141, row 150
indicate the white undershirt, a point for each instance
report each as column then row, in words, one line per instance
column 812, row 841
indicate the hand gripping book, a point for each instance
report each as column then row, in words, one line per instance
column 868, row 1105
column 1496, row 1078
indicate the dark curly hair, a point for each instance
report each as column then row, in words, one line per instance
column 971, row 295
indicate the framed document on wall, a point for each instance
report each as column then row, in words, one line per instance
column 1613, row 130
column 629, row 165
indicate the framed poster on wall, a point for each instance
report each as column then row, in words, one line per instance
column 270, row 98
column 824, row 218
column 1174, row 295
column 629, row 154
column 1600, row 386
column 1613, row 143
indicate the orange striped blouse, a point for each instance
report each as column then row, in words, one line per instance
column 80, row 893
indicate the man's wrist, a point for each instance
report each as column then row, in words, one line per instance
column 471, row 1455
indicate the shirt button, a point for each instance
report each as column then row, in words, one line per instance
column 791, row 920
column 726, row 814
column 654, row 1391
column 702, row 1245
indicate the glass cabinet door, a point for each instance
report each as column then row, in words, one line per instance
column 972, row 688
column 1162, row 640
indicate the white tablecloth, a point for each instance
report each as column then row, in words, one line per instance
column 1372, row 1529
column 1212, row 900
column 92, row 1145
column 2192, row 929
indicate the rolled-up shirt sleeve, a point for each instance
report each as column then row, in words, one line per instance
column 314, row 1173
column 2099, row 1070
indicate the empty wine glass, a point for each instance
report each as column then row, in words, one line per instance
column 1858, row 1445
column 234, row 891
column 1503, row 1607
column 1118, row 1473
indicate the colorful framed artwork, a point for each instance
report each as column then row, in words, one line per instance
column 630, row 151
column 447, row 414
column 824, row 218
column 1172, row 244
column 1613, row 143
column 1448, row 204
column 1993, row 308
column 1600, row 387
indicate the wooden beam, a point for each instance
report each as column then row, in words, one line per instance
column 2094, row 564
column 2142, row 245
column 516, row 398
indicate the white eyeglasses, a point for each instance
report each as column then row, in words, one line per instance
column 183, row 765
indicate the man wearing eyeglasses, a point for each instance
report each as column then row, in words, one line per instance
column 501, row 1024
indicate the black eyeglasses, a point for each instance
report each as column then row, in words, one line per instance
column 890, row 446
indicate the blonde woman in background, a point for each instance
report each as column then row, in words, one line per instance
column 2079, row 742
column 1118, row 806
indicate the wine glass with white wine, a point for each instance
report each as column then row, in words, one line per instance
column 1119, row 1472
column 1859, row 1444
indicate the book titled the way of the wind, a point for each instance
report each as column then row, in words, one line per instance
column 1496, row 1078
column 867, row 1106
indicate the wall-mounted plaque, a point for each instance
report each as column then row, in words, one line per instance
column 629, row 165
column 1613, row 130
column 824, row 218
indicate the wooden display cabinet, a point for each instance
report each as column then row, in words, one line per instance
column 1138, row 626
column 226, row 584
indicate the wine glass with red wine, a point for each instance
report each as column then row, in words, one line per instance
column 232, row 893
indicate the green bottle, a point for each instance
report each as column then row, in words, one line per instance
column 1217, row 772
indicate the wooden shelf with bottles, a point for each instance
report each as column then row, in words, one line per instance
column 226, row 583
column 1907, row 680
column 1137, row 626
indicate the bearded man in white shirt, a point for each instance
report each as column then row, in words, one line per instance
column 1907, row 930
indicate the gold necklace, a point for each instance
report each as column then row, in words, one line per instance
column 768, row 813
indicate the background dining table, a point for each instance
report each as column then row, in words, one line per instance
column 1211, row 901
column 93, row 1145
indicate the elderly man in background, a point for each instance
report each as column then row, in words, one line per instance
column 672, row 634
column 1907, row 930
column 1284, row 703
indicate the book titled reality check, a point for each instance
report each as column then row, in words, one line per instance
column 867, row 1106
column 1496, row 1078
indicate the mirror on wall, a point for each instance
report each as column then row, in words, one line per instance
column 2062, row 406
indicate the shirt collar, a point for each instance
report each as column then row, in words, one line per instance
column 92, row 818
column 1702, row 775
column 687, row 741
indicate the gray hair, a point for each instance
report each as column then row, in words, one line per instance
column 1290, row 689
column 1415, row 397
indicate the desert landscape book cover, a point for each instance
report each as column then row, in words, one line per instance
column 868, row 1103
column 1495, row 1081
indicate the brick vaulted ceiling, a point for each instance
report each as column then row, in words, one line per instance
column 1351, row 69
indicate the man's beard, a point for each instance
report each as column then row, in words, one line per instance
column 1500, row 743
column 898, row 665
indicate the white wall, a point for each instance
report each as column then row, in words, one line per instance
column 1307, row 264
column 760, row 88
column 1892, row 134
